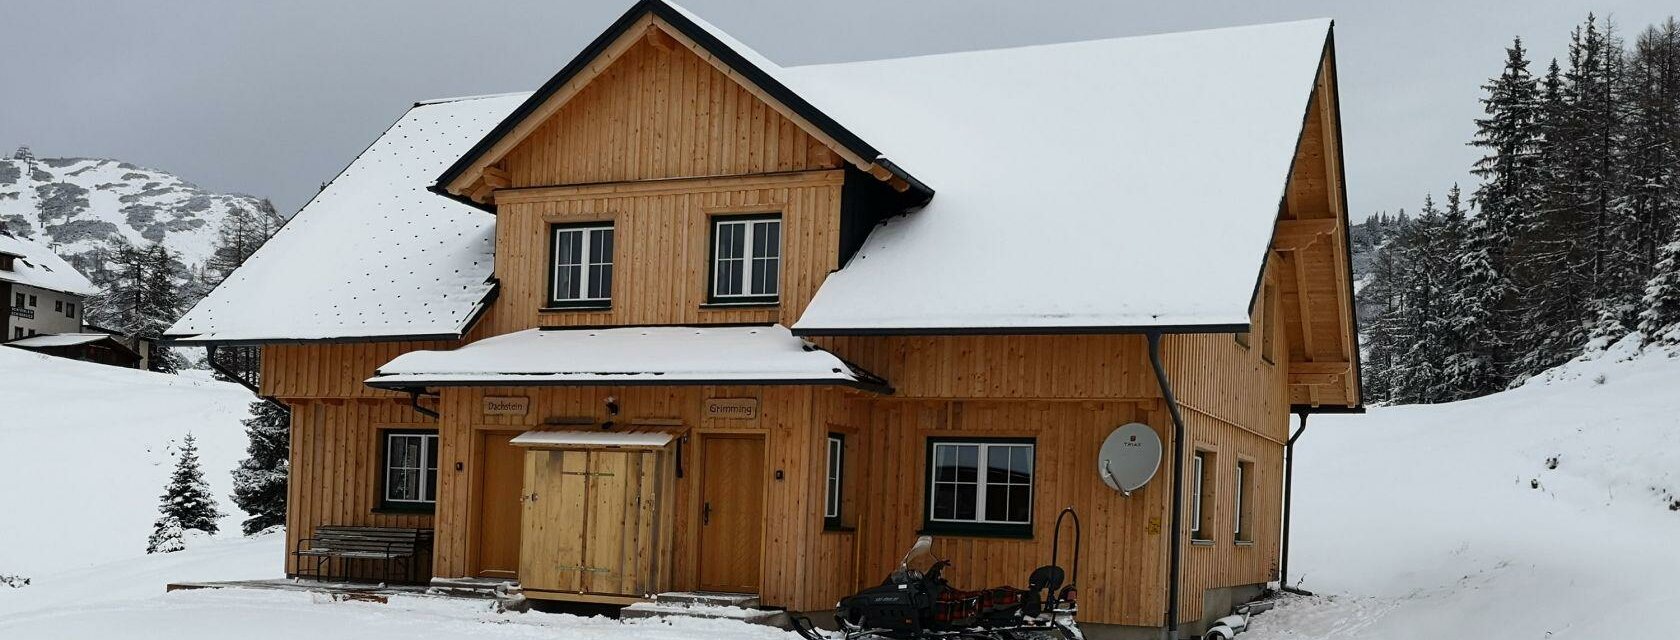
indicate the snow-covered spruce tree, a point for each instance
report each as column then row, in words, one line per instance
column 1660, row 321
column 259, row 483
column 164, row 278
column 1652, row 170
column 1471, row 343
column 187, row 498
column 167, row 536
column 1506, row 202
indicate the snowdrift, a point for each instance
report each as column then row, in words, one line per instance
column 1544, row 511
column 85, row 451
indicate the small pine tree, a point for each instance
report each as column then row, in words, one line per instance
column 167, row 536
column 259, row 483
column 1660, row 321
column 187, row 498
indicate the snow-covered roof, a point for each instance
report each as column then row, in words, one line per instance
column 626, row 356
column 1107, row 184
column 374, row 254
column 640, row 440
column 38, row 266
column 58, row 340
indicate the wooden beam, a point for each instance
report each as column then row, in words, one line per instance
column 1295, row 235
column 497, row 178
column 1307, row 350
column 1315, row 379
column 1321, row 368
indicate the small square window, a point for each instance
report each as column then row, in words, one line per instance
column 408, row 479
column 32, row 301
column 58, row 305
column 746, row 259
column 582, row 260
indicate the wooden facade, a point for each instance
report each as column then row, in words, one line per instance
column 657, row 137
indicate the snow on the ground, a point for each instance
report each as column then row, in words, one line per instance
column 85, row 451
column 1445, row 521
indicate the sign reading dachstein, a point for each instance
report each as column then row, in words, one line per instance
column 506, row 406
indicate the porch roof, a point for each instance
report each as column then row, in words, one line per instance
column 732, row 355
column 606, row 439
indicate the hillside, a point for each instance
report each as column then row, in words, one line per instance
column 81, row 205
column 1450, row 520
column 85, row 451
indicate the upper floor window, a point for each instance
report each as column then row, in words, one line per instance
column 583, row 265
column 746, row 259
column 70, row 310
column 834, row 479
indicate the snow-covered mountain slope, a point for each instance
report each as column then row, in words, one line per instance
column 1548, row 511
column 85, row 451
column 79, row 205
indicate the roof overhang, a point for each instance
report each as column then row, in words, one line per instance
column 466, row 181
column 628, row 356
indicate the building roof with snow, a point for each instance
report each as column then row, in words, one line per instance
column 1114, row 185
column 35, row 265
column 374, row 254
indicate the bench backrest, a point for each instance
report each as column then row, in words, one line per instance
column 381, row 539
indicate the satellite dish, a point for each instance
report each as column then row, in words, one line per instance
column 1129, row 457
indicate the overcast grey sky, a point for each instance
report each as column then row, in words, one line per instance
column 273, row 98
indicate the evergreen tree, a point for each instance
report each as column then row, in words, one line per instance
column 140, row 295
column 163, row 280
column 186, row 502
column 1660, row 321
column 167, row 536
column 241, row 233
column 259, row 483
column 1506, row 203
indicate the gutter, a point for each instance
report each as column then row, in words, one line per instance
column 210, row 357
column 1177, row 552
column 414, row 403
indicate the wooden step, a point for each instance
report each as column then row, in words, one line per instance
column 709, row 598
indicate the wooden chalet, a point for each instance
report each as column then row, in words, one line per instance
column 686, row 319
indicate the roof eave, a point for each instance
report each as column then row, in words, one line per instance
column 1024, row 331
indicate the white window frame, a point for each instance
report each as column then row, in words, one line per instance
column 587, row 268
column 836, row 460
column 1196, row 468
column 980, row 482
column 754, row 227
column 426, row 464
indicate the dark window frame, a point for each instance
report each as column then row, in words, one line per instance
column 554, row 229
column 712, row 297
column 977, row 529
column 386, row 505
column 834, row 481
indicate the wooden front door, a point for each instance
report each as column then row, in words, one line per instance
column 731, row 513
column 593, row 523
column 501, row 469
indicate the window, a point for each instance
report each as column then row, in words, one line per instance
column 58, row 305
column 410, row 477
column 1268, row 335
column 31, row 333
column 583, row 266
column 1244, row 488
column 17, row 332
column 32, row 301
column 1201, row 496
column 69, row 309
column 836, row 465
column 19, row 302
column 746, row 260
column 980, row 486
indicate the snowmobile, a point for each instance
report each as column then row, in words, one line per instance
column 921, row 605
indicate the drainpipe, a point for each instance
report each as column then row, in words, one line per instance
column 1289, row 503
column 1177, row 534
column 414, row 402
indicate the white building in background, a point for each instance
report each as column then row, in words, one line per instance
column 42, row 293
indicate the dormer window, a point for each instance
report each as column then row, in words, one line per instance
column 583, row 266
column 746, row 259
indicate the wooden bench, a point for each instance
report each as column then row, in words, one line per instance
column 393, row 546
